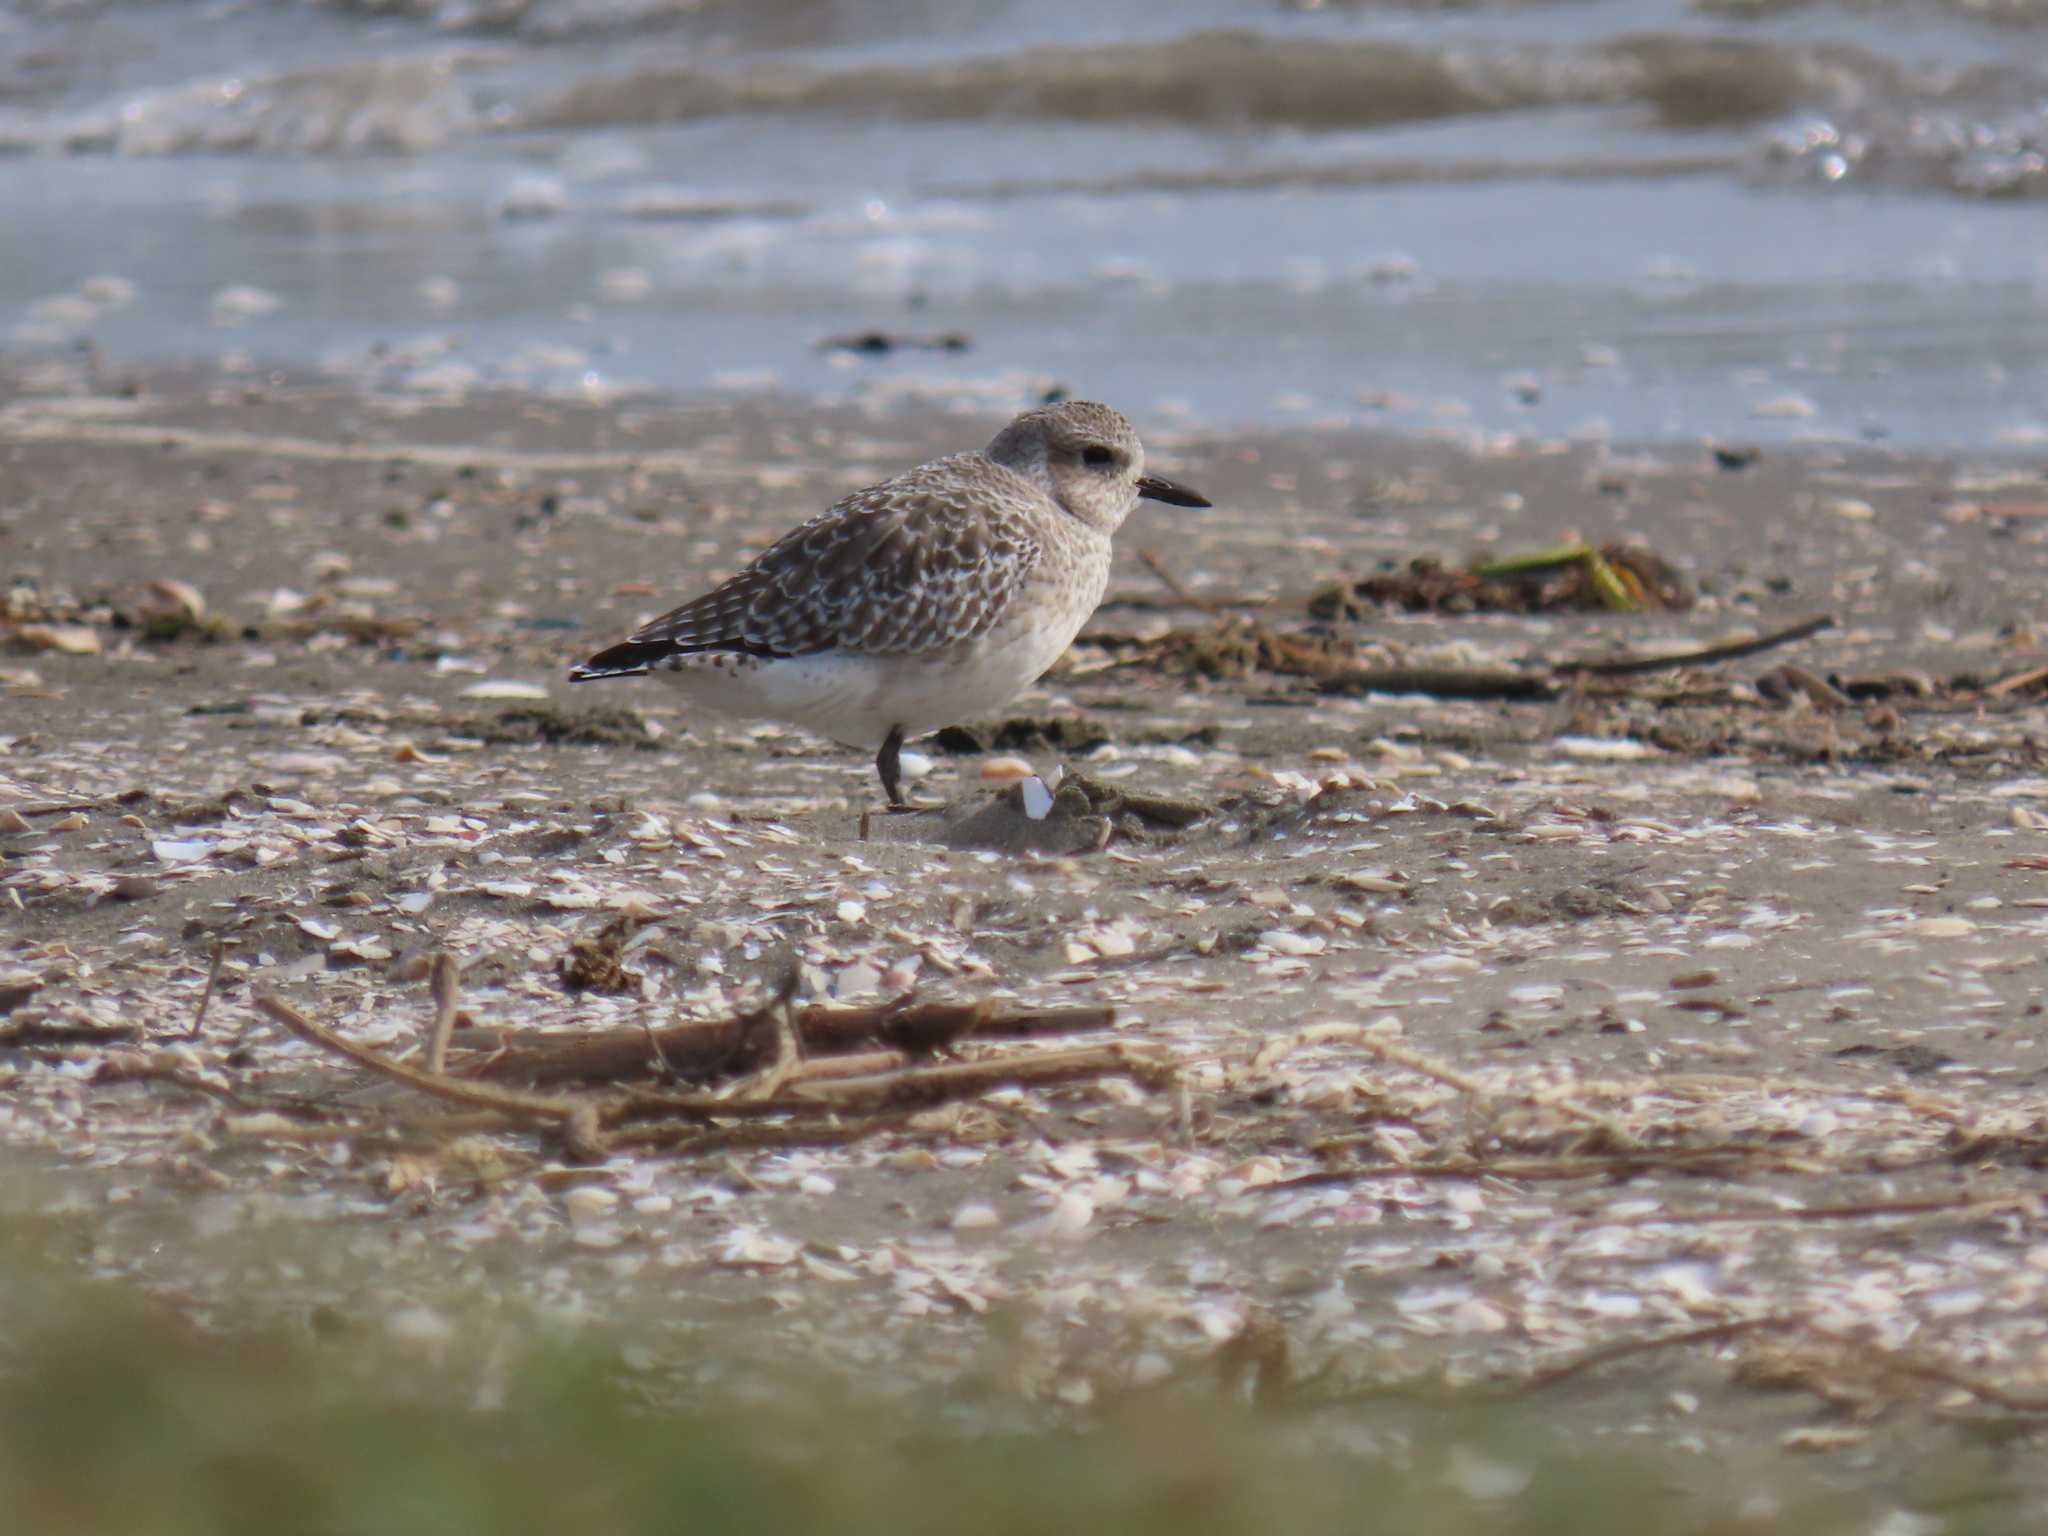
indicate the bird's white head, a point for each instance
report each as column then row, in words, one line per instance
column 1087, row 458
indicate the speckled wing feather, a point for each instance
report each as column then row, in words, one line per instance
column 913, row 565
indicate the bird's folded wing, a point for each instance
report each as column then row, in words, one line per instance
column 899, row 569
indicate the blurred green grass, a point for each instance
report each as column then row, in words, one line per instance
column 119, row 1415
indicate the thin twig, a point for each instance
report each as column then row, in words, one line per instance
column 220, row 951
column 1442, row 682
column 824, row 1092
column 663, row 1068
column 858, row 1064
column 1629, row 666
column 444, row 979
column 35, row 1033
column 701, row 1050
column 1415, row 1061
column 2018, row 680
column 1607, row 1354
column 964, row 1079
column 482, row 1096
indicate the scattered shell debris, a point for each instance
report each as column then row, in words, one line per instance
column 1675, row 1021
column 1620, row 576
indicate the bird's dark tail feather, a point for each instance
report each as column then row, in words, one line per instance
column 629, row 658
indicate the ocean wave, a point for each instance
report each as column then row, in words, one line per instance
column 1823, row 112
column 394, row 105
column 2023, row 13
column 746, row 24
column 2002, row 157
column 812, row 23
column 1234, row 78
column 1973, row 129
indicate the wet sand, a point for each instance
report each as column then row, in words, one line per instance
column 1792, row 948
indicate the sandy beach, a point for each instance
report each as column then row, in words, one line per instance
column 1528, row 985
column 1496, row 1032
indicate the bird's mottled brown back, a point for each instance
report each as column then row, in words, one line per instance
column 914, row 565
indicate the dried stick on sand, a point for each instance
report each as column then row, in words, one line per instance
column 444, row 978
column 701, row 1050
column 1628, row 666
column 510, row 1101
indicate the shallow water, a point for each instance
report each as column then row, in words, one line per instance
column 1751, row 220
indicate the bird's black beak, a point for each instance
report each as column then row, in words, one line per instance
column 1159, row 488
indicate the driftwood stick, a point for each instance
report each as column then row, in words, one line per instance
column 48, row 1034
column 1628, row 666
column 626, row 1105
column 1464, row 1082
column 701, row 1050
column 855, row 1064
column 695, row 1050
column 2017, row 681
column 923, row 1028
column 955, row 1080
column 1451, row 1077
column 1607, row 1354
column 1442, row 682
column 529, row 1106
column 811, row 1092
column 1286, row 653
column 444, row 979
column 220, row 952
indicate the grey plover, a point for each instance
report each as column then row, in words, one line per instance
column 931, row 597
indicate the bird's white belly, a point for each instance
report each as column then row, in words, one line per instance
column 856, row 699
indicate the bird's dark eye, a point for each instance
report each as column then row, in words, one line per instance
column 1097, row 455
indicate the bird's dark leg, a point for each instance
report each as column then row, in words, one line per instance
column 889, row 764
